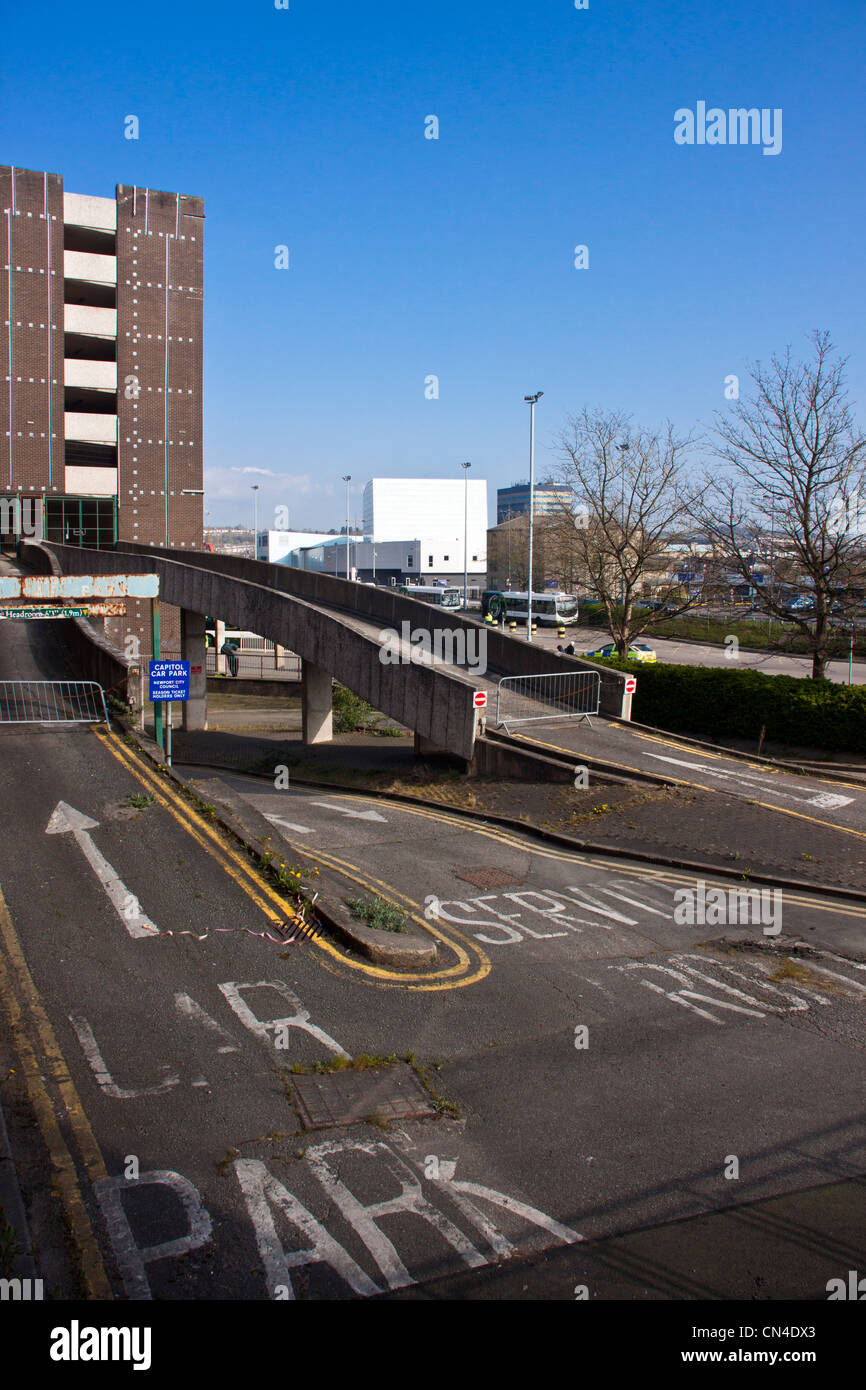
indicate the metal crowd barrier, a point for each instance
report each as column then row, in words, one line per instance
column 560, row 695
column 52, row 702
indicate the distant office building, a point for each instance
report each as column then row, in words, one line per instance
column 284, row 547
column 426, row 515
column 101, row 425
column 549, row 500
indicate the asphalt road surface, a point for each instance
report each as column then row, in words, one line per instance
column 624, row 748
column 600, row 1064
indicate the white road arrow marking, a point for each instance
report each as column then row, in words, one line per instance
column 65, row 820
column 290, row 825
column 347, row 811
column 826, row 800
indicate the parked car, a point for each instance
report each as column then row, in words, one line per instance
column 637, row 651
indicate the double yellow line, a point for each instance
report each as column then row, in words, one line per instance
column 41, row 1059
column 471, row 963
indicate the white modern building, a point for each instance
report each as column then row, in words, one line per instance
column 278, row 547
column 431, row 509
column 413, row 532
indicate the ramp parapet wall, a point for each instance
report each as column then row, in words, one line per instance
column 506, row 656
column 433, row 702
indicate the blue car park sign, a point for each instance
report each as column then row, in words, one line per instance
column 169, row 680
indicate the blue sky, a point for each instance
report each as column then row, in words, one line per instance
column 454, row 257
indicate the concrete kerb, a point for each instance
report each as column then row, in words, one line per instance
column 404, row 951
column 569, row 842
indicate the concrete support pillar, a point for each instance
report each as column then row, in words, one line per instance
column 192, row 649
column 219, row 639
column 426, row 748
column 316, row 711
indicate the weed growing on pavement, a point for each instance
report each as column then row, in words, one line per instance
column 139, row 800
column 377, row 1120
column 441, row 1104
column 365, row 1061
column 378, row 913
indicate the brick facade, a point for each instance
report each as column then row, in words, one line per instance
column 158, row 249
column 31, row 301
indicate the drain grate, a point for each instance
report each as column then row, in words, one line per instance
column 489, row 878
column 349, row 1097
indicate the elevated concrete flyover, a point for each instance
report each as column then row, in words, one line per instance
column 338, row 628
column 436, row 702
column 373, row 610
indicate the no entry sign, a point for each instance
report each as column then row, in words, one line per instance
column 630, row 685
column 479, row 699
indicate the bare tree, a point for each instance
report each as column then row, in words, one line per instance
column 791, row 504
column 630, row 497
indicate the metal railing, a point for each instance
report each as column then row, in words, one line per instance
column 52, row 702
column 263, row 665
column 559, row 695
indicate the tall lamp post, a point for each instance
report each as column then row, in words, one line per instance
column 347, row 478
column 466, row 467
column 255, row 521
column 532, row 402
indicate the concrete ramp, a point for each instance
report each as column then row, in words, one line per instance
column 435, row 701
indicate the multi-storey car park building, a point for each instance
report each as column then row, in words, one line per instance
column 101, row 356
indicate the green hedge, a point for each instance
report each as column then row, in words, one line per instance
column 715, row 702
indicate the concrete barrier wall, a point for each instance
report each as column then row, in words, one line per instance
column 426, row 699
column 506, row 656
column 90, row 650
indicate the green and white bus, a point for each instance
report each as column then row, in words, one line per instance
column 511, row 605
column 440, row 595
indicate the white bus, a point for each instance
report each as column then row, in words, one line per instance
column 441, row 595
column 512, row 605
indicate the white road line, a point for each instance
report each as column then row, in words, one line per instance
column 826, row 800
column 289, row 825
column 66, row 820
column 347, row 811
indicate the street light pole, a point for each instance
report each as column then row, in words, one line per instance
column 466, row 467
column 532, row 401
column 255, row 521
column 347, row 478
